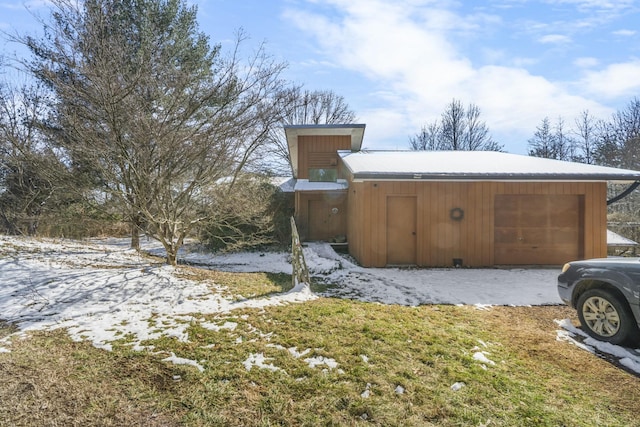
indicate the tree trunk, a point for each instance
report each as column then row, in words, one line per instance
column 172, row 256
column 136, row 225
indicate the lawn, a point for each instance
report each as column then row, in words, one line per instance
column 326, row 362
column 322, row 361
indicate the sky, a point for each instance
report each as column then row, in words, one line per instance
column 100, row 291
column 399, row 63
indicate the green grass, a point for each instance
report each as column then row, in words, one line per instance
column 241, row 285
column 536, row 381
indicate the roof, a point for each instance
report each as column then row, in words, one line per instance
column 284, row 183
column 614, row 239
column 356, row 131
column 474, row 165
column 306, row 185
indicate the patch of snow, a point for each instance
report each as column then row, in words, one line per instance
column 339, row 276
column 457, row 386
column 399, row 390
column 182, row 361
column 481, row 357
column 321, row 360
column 367, row 391
column 627, row 357
column 102, row 291
column 483, row 287
column 297, row 354
column 259, row 360
column 231, row 326
column 631, row 364
column 306, row 185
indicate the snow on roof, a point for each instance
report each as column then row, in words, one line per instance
column 284, row 183
column 306, row 185
column 474, row 165
column 614, row 239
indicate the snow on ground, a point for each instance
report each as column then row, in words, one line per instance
column 337, row 276
column 102, row 291
column 629, row 358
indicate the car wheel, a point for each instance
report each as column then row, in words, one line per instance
column 605, row 317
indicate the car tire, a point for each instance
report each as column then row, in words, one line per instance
column 605, row 317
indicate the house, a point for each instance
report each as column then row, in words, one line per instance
column 446, row 208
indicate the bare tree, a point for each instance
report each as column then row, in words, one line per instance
column 302, row 107
column 477, row 135
column 585, row 144
column 565, row 145
column 543, row 142
column 158, row 115
column 428, row 138
column 458, row 129
column 619, row 138
column 619, row 146
column 31, row 175
column 453, row 126
column 552, row 142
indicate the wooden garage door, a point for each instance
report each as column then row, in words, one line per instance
column 401, row 230
column 538, row 229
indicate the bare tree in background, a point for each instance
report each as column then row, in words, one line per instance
column 458, row 129
column 32, row 177
column 302, row 107
column 619, row 138
column 428, row 139
column 157, row 114
column 543, row 142
column 552, row 142
column 586, row 138
column 453, row 126
column 619, row 146
column 476, row 136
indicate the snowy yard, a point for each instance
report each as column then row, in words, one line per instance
column 102, row 291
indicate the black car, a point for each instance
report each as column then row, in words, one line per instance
column 606, row 294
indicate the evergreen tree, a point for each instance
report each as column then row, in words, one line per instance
column 143, row 101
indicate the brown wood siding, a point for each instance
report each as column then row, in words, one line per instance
column 320, row 152
column 440, row 238
column 315, row 218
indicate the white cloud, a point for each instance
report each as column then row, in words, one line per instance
column 554, row 39
column 590, row 5
column 625, row 33
column 415, row 53
column 616, row 80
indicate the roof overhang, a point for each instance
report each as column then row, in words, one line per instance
column 306, row 185
column 292, row 132
column 474, row 166
column 375, row 176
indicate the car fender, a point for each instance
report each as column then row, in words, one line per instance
column 591, row 277
column 616, row 281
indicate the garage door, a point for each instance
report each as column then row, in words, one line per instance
column 538, row 229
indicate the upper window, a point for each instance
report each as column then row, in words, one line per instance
column 323, row 175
